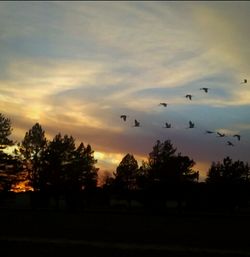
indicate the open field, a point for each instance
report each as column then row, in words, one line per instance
column 122, row 233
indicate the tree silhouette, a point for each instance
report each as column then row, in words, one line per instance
column 84, row 172
column 69, row 170
column 10, row 169
column 184, row 167
column 126, row 172
column 143, row 175
column 228, row 183
column 9, row 164
column 166, row 167
column 57, row 160
column 5, row 132
column 32, row 149
column 228, row 172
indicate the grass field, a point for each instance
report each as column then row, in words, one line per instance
column 122, row 233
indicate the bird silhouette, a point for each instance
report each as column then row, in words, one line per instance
column 220, row 134
column 164, row 104
column 191, row 124
column 238, row 136
column 205, row 89
column 189, row 96
column 124, row 117
column 230, row 143
column 167, row 125
column 209, row 132
column 244, row 81
column 137, row 123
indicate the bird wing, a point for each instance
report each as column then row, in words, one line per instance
column 238, row 136
column 191, row 124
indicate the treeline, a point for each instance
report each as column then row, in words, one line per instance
column 59, row 169
column 52, row 168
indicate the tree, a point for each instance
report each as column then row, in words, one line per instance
column 165, row 167
column 32, row 149
column 5, row 132
column 9, row 164
column 84, row 170
column 10, row 169
column 228, row 172
column 162, row 152
column 184, row 166
column 143, row 175
column 126, row 172
column 228, row 183
column 70, row 168
column 57, row 160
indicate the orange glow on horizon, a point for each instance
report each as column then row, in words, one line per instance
column 21, row 187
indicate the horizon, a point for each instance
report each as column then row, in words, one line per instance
column 76, row 67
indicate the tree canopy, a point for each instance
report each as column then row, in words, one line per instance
column 228, row 171
column 67, row 167
column 126, row 172
column 5, row 131
column 31, row 151
column 9, row 164
column 165, row 166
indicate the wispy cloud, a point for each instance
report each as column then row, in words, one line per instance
column 76, row 67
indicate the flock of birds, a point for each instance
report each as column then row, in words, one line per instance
column 191, row 124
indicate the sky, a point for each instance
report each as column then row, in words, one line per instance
column 75, row 67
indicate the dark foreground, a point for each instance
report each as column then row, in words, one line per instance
column 122, row 233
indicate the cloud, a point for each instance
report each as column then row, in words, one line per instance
column 223, row 26
column 76, row 67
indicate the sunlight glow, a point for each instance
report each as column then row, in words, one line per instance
column 21, row 187
column 112, row 158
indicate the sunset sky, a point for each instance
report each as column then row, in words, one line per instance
column 75, row 67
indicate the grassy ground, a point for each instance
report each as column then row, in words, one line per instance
column 122, row 233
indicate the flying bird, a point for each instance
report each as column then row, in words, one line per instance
column 189, row 96
column 209, row 132
column 124, row 117
column 244, row 81
column 220, row 134
column 137, row 123
column 191, row 124
column 205, row 89
column 238, row 136
column 167, row 125
column 230, row 143
column 164, row 104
